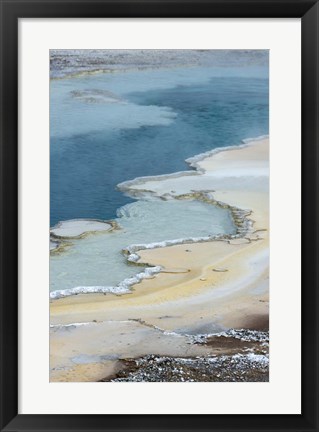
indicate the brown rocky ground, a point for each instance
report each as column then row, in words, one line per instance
column 243, row 358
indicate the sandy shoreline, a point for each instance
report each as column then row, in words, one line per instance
column 205, row 287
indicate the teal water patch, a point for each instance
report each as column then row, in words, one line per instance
column 96, row 263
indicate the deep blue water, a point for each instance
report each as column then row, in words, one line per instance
column 86, row 167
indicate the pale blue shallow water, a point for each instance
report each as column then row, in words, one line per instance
column 149, row 124
column 97, row 261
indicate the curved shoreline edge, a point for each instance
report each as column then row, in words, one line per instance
column 128, row 186
column 240, row 218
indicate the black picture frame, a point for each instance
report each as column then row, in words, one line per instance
column 11, row 11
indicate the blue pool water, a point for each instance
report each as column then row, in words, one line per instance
column 109, row 128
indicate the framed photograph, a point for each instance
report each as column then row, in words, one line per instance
column 159, row 215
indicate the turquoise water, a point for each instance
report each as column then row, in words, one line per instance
column 109, row 128
column 96, row 263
